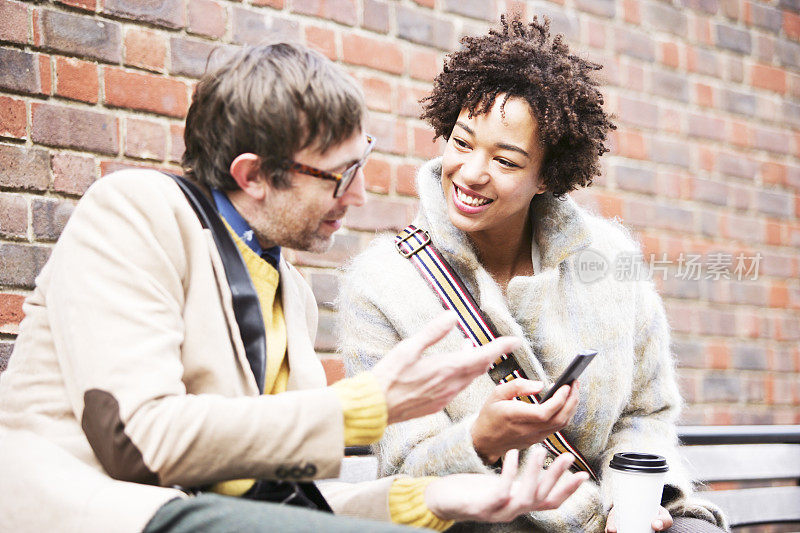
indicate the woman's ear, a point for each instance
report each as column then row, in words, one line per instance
column 246, row 171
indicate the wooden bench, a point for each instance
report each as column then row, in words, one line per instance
column 741, row 454
column 748, row 455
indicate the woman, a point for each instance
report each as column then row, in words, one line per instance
column 524, row 125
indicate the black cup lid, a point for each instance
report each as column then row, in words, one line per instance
column 644, row 463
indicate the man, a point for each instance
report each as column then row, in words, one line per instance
column 137, row 377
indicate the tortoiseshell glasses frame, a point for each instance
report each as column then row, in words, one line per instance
column 343, row 179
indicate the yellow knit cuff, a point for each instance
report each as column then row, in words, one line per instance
column 407, row 504
column 364, row 407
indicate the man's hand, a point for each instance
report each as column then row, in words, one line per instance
column 505, row 423
column 492, row 498
column 661, row 522
column 416, row 386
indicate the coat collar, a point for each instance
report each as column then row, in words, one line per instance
column 559, row 227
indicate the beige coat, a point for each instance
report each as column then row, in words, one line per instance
column 629, row 399
column 131, row 321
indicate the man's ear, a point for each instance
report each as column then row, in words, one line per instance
column 246, row 171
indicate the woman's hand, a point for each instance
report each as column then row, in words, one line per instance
column 661, row 522
column 493, row 498
column 505, row 423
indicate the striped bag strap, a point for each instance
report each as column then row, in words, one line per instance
column 415, row 244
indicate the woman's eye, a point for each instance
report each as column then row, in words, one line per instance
column 506, row 163
column 460, row 142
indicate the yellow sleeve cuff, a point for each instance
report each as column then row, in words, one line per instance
column 364, row 408
column 407, row 504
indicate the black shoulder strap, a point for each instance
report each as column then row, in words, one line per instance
column 246, row 306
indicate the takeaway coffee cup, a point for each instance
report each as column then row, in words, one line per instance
column 637, row 481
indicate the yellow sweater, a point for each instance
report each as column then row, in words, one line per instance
column 363, row 403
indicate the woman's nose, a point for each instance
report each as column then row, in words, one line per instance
column 474, row 169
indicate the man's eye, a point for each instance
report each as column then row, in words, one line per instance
column 460, row 142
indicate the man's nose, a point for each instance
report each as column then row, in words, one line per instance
column 355, row 194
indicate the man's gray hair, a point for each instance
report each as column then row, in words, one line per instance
column 273, row 101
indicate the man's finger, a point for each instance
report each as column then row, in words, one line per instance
column 553, row 473
column 435, row 331
column 566, row 485
column 510, row 467
column 482, row 356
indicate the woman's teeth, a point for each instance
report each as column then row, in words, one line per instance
column 471, row 200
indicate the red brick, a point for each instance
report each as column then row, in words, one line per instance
column 376, row 16
column 167, row 13
column 80, row 35
column 773, row 173
column 12, row 117
column 192, row 57
column 423, row 64
column 739, row 134
column 670, row 55
column 145, row 49
column 406, row 180
column 11, row 309
column 145, row 92
column 176, row 142
column 704, row 95
column 632, row 144
column 322, row 40
column 72, row 174
column 15, row 21
column 379, row 213
column 378, row 93
column 250, row 26
column 408, row 101
column 13, row 215
column 426, row 3
column 88, row 5
column 21, row 264
column 791, row 24
column 377, row 173
column 24, row 168
column 206, row 17
column 386, row 56
column 391, row 134
column 277, row 4
column 45, row 74
column 424, row 144
column 596, row 34
column 50, row 215
column 77, row 79
column 631, row 12
column 778, row 295
column 341, row 11
column 774, row 233
column 145, row 139
column 770, row 78
column 719, row 357
column 74, row 128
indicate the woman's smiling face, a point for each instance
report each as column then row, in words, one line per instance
column 490, row 168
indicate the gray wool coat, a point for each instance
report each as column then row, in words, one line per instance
column 629, row 398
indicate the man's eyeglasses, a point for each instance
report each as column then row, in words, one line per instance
column 343, row 179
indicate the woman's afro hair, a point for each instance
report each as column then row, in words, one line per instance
column 519, row 60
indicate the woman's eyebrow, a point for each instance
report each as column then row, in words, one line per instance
column 465, row 127
column 513, row 148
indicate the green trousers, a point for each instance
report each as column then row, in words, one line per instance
column 209, row 513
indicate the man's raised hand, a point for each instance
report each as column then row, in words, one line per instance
column 417, row 386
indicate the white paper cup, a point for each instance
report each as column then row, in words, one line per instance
column 637, row 482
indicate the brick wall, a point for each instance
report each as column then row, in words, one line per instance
column 704, row 165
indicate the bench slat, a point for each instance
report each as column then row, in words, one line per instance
column 764, row 505
column 732, row 462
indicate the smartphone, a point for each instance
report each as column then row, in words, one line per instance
column 572, row 372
